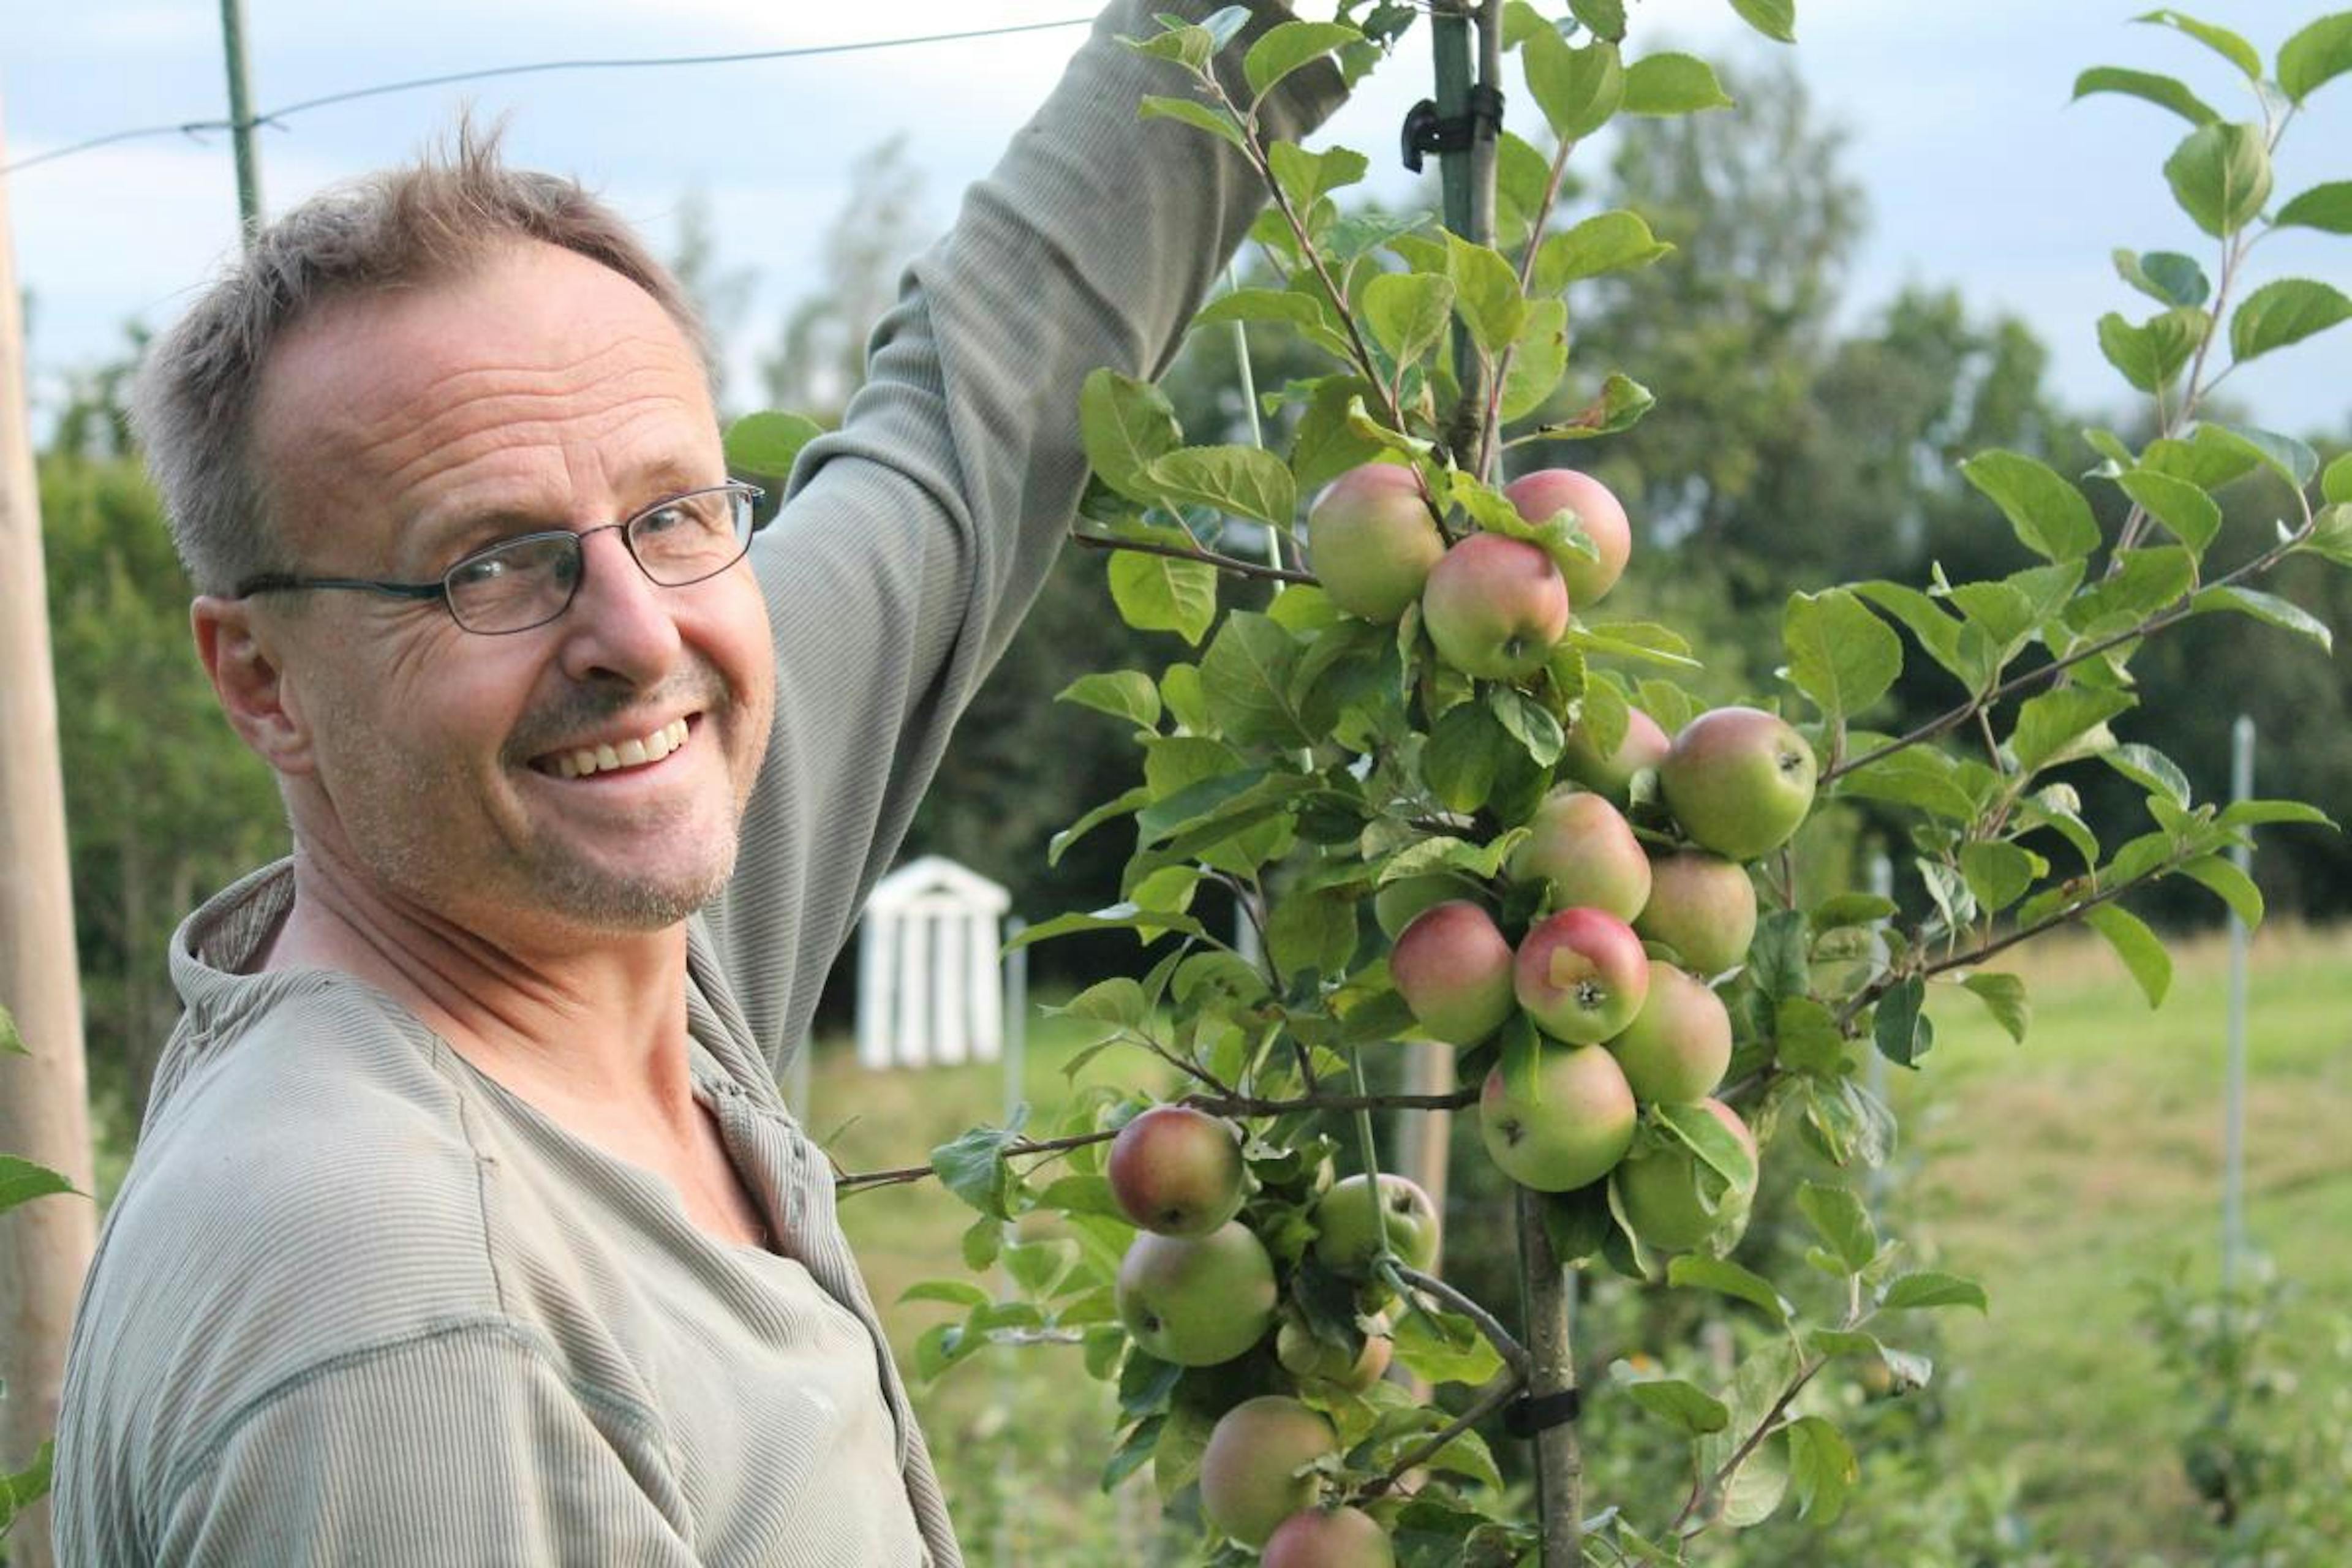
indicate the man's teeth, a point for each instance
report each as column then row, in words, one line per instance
column 629, row 753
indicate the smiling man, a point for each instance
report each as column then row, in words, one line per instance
column 467, row 1225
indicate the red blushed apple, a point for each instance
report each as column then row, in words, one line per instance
column 1581, row 976
column 1452, row 967
column 1371, row 541
column 1177, row 1171
column 1702, row 906
column 1494, row 607
column 1678, row 1045
column 1740, row 781
column 1645, row 746
column 1659, row 1191
column 1571, row 1131
column 1585, row 851
column 1542, row 495
column 1197, row 1300
column 1336, row 1538
column 1249, row 1479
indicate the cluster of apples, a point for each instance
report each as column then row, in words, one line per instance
column 1618, row 1028
column 1198, row 1289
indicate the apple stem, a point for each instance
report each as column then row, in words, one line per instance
column 1370, row 1152
column 1551, row 1369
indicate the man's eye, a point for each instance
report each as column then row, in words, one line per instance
column 671, row 516
column 479, row 572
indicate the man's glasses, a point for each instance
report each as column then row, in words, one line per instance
column 531, row 578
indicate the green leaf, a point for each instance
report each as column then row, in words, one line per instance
column 2166, row 276
column 1577, row 88
column 1822, row 1470
column 1202, row 116
column 2061, row 725
column 2140, row 948
column 972, row 1166
column 2193, row 516
column 1928, row 1288
column 1408, row 311
column 1446, row 1349
column 1486, row 293
column 2151, row 770
column 1937, row 631
column 1838, row 1217
column 768, row 443
column 1465, row 753
column 1190, row 46
column 1693, row 1271
column 2004, row 997
column 27, row 1486
column 1605, row 242
column 1245, row 676
column 1126, row 424
column 2165, row 92
column 1328, row 444
column 2209, row 459
column 12, row 1043
column 1999, row 874
column 2049, row 515
column 1239, row 482
column 1304, row 175
column 2152, row 355
column 2282, row 312
column 1606, row 18
column 2262, row 812
column 1311, row 932
column 2220, row 175
column 1127, row 694
column 2316, row 55
column 2268, row 608
column 1776, row 956
column 1540, row 360
column 954, row 1292
column 1673, row 83
column 21, row 1182
column 1687, row 1407
column 1288, row 47
column 1262, row 305
column 1716, row 1144
column 1840, row 655
column 1164, row 593
column 1776, row 19
column 1530, row 723
column 2220, row 876
column 2327, row 208
column 1805, row 1033
column 1113, row 917
column 1900, row 1027
column 2284, row 456
column 2220, row 40
column 1913, row 776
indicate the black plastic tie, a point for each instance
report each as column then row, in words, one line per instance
column 1426, row 131
column 1538, row 1413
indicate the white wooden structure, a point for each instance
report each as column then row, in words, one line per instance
column 930, row 987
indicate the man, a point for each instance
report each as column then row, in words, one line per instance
column 467, row 1225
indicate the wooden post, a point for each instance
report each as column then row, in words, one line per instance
column 44, row 1245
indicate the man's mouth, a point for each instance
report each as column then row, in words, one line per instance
column 581, row 762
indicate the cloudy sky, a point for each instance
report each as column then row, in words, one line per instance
column 1979, row 172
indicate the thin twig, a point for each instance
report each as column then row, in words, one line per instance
column 1507, row 1345
column 1493, row 1397
column 1233, row 564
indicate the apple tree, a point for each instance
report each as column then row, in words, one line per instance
column 1466, row 811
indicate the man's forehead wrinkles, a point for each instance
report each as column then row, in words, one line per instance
column 507, row 420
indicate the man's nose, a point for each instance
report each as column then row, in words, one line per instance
column 620, row 625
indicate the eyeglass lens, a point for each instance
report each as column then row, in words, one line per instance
column 526, row 582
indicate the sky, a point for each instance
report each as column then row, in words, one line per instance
column 1979, row 173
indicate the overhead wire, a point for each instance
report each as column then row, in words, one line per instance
column 273, row 117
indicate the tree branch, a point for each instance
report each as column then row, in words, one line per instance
column 1233, row 564
column 1491, row 1398
column 1513, row 1355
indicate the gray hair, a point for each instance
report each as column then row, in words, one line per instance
column 433, row 219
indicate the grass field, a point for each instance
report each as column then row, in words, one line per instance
column 2062, row 1173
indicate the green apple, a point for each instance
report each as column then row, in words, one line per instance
column 1584, row 850
column 1347, row 1232
column 1678, row 1045
column 1328, row 1537
column 1197, row 1300
column 1702, row 906
column 1577, row 1124
column 1740, row 781
column 1644, row 745
column 1544, row 494
column 1581, row 976
column 1249, row 1479
column 1372, row 540
column 1311, row 1360
column 1452, row 967
column 1177, row 1171
column 1494, row 607
column 1660, row 1191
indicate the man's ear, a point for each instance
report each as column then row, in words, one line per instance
column 243, row 660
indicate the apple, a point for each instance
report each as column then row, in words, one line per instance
column 1249, row 1479
column 1177, row 1171
column 1452, row 967
column 1658, row 1190
column 1678, row 1045
column 1494, row 607
column 1582, row 974
column 1372, row 540
column 1397, row 903
column 1577, row 1126
column 1546, row 492
column 1197, row 1300
column 1333, row 1538
column 1645, row 746
column 1583, row 848
column 1702, row 906
column 1311, row 1360
column 1348, row 1232
column 1739, row 780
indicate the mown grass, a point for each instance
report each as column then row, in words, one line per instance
column 2062, row 1173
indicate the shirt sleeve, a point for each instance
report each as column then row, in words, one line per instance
column 918, row 535
column 466, row 1446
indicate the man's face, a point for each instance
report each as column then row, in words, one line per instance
column 400, row 432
